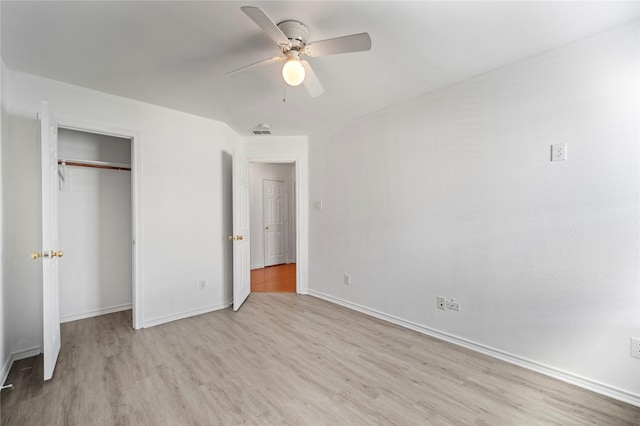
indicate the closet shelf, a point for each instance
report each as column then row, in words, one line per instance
column 94, row 164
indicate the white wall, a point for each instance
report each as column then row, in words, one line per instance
column 94, row 222
column 258, row 172
column 453, row 194
column 287, row 149
column 183, row 165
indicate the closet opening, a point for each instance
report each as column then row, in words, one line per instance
column 95, row 214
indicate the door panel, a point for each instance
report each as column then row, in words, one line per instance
column 50, row 253
column 240, row 237
column 274, row 193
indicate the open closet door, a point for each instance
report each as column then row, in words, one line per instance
column 240, row 237
column 50, row 253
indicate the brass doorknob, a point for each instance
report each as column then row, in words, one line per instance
column 231, row 238
column 36, row 255
column 58, row 253
column 266, row 227
column 239, row 237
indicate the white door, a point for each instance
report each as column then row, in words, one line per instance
column 274, row 202
column 50, row 254
column 241, row 252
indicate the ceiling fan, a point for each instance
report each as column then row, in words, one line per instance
column 292, row 37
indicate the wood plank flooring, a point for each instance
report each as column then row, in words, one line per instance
column 286, row 359
column 274, row 279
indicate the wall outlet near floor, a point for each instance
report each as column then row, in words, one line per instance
column 347, row 279
column 452, row 304
column 635, row 347
column 202, row 284
column 441, row 303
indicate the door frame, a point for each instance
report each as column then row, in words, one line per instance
column 136, row 210
column 301, row 259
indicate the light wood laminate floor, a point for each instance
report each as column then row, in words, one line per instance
column 286, row 359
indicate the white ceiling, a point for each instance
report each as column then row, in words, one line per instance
column 175, row 53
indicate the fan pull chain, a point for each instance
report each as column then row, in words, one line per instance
column 284, row 94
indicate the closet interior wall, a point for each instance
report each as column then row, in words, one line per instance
column 94, row 224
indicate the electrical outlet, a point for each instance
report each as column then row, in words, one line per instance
column 635, row 347
column 441, row 303
column 347, row 279
column 452, row 304
column 202, row 284
column 559, row 152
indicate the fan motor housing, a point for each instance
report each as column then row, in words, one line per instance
column 296, row 32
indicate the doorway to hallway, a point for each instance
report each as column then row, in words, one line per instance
column 273, row 227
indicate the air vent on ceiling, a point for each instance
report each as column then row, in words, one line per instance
column 262, row 129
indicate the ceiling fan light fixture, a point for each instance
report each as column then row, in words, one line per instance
column 293, row 71
column 292, row 38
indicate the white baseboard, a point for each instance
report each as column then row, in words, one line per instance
column 174, row 317
column 591, row 385
column 16, row 356
column 95, row 313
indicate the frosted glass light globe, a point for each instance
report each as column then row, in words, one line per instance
column 293, row 71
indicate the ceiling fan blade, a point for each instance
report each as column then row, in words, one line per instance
column 333, row 46
column 311, row 82
column 259, row 16
column 257, row 64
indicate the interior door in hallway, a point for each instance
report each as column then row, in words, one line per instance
column 274, row 193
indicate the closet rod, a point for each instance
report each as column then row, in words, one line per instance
column 94, row 164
